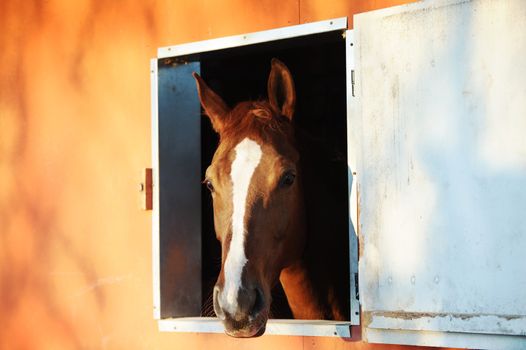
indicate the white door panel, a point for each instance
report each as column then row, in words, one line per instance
column 440, row 153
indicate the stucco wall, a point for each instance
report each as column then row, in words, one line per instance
column 75, row 256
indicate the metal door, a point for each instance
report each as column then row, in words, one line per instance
column 438, row 143
column 177, row 210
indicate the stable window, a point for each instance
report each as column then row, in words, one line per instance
column 433, row 100
column 186, row 254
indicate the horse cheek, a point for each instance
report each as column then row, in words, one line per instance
column 280, row 219
column 222, row 214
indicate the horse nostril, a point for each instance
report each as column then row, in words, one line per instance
column 217, row 305
column 259, row 302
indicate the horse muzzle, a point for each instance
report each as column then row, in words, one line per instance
column 244, row 314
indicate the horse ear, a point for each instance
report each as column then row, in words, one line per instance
column 281, row 92
column 214, row 106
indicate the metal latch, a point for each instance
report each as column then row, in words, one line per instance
column 352, row 83
column 146, row 190
column 356, row 286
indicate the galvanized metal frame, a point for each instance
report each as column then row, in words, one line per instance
column 352, row 107
column 444, row 339
column 253, row 38
column 282, row 327
column 274, row 326
column 156, row 270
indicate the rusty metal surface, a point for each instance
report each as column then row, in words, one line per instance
column 352, row 175
column 447, row 322
column 146, row 189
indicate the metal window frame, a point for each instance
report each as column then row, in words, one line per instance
column 274, row 326
column 253, row 38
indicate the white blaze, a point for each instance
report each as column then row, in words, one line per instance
column 247, row 158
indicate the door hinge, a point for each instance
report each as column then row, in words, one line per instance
column 352, row 83
column 356, row 286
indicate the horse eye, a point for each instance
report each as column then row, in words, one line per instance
column 209, row 185
column 287, row 179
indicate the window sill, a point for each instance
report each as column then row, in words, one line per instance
column 316, row 328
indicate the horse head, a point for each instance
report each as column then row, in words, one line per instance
column 255, row 182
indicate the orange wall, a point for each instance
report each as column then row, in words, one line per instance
column 75, row 260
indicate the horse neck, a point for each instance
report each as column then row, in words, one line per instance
column 316, row 285
column 310, row 294
column 301, row 293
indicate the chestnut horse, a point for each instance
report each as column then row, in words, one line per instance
column 260, row 217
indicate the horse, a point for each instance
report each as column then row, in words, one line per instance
column 257, row 180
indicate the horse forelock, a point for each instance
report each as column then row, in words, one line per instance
column 255, row 117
